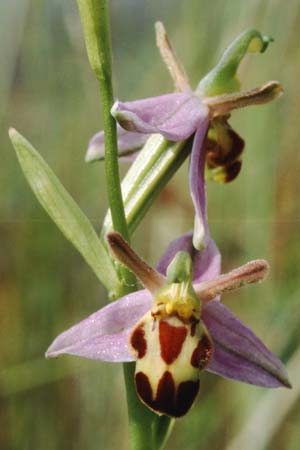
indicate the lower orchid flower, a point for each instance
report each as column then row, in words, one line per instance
column 176, row 327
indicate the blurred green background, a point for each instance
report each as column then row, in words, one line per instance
column 47, row 91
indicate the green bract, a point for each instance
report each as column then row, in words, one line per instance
column 154, row 166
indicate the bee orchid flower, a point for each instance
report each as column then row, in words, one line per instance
column 201, row 115
column 175, row 327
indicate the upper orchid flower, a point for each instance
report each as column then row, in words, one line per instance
column 178, row 116
column 202, row 114
column 176, row 327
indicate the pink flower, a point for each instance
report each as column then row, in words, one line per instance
column 237, row 353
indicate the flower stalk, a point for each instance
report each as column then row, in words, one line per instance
column 95, row 21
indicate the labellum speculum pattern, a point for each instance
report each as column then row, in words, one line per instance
column 172, row 346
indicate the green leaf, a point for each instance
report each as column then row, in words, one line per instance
column 64, row 211
column 222, row 79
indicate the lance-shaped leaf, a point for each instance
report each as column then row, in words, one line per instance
column 64, row 211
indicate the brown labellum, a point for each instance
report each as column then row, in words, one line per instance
column 170, row 353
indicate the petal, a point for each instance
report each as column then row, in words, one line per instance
column 175, row 116
column 104, row 334
column 206, row 262
column 239, row 354
column 198, row 187
column 128, row 143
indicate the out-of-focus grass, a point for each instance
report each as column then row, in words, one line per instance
column 48, row 93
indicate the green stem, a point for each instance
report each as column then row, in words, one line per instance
column 95, row 21
column 110, row 132
column 162, row 428
column 141, row 419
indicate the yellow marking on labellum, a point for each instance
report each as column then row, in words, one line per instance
column 176, row 298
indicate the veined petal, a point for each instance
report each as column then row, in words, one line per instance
column 198, row 188
column 206, row 262
column 175, row 116
column 239, row 354
column 104, row 334
column 128, row 144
